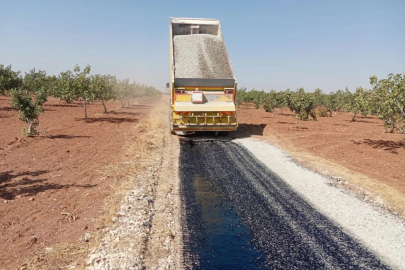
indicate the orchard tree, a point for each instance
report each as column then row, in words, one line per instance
column 29, row 98
column 388, row 100
column 280, row 100
column 76, row 86
column 270, row 102
column 357, row 102
column 334, row 102
column 123, row 91
column 331, row 103
column 103, row 87
column 9, row 79
column 250, row 96
column 36, row 82
column 64, row 89
column 302, row 104
column 240, row 96
column 258, row 98
column 29, row 108
column 82, row 90
column 53, row 89
column 319, row 97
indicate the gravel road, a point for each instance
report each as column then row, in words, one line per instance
column 144, row 232
column 294, row 217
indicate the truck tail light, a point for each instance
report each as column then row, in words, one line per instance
column 228, row 91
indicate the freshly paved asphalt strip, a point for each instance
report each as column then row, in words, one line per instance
column 238, row 214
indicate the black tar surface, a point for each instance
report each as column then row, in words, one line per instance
column 240, row 215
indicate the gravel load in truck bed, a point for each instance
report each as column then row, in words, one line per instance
column 201, row 56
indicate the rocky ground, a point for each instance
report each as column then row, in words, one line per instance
column 145, row 230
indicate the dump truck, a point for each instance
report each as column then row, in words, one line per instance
column 202, row 82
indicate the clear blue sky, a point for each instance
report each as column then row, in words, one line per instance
column 272, row 44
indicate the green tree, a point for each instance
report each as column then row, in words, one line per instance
column 334, row 102
column 319, row 97
column 270, row 102
column 82, row 90
column 388, row 100
column 123, row 91
column 76, row 86
column 103, row 87
column 357, row 102
column 258, row 97
column 281, row 100
column 64, row 88
column 302, row 104
column 30, row 97
column 9, row 79
column 240, row 96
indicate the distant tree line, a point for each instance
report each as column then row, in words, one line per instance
column 386, row 100
column 30, row 91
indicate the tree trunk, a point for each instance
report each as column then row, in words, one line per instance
column 393, row 123
column 354, row 117
column 85, row 110
column 105, row 108
column 273, row 114
column 281, row 111
column 29, row 128
column 83, row 104
column 298, row 119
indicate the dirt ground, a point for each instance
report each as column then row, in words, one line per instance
column 360, row 151
column 53, row 186
column 49, row 181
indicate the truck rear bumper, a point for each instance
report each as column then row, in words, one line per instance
column 193, row 128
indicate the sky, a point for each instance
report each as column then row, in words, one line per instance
column 272, row 44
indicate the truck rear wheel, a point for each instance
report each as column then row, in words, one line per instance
column 171, row 129
column 170, row 119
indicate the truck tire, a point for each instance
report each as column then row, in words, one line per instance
column 170, row 119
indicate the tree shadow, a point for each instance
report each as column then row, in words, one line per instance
column 116, row 120
column 63, row 105
column 12, row 185
column 8, row 109
column 299, row 127
column 247, row 130
column 65, row 137
column 386, row 145
column 359, row 121
column 8, row 176
column 285, row 123
column 122, row 113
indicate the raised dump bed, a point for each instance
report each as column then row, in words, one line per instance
column 199, row 54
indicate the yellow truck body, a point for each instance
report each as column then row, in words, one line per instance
column 200, row 104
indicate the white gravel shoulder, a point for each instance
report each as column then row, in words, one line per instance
column 381, row 232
